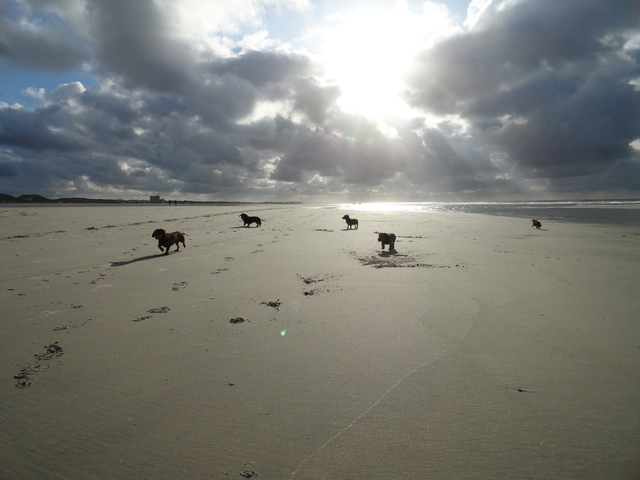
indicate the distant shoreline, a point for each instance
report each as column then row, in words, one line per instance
column 41, row 201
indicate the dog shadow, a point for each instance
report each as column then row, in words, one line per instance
column 387, row 254
column 139, row 259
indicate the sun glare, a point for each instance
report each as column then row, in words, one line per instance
column 367, row 54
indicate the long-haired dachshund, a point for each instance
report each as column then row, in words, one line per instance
column 351, row 222
column 536, row 223
column 387, row 239
column 165, row 240
column 249, row 220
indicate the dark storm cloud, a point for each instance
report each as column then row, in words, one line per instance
column 315, row 101
column 306, row 151
column 36, row 131
column 237, row 84
column 164, row 144
column 108, row 105
column 514, row 41
column 221, row 101
column 261, row 68
column 545, row 83
column 592, row 125
column 134, row 40
column 35, row 47
column 359, row 154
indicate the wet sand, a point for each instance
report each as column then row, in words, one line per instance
column 481, row 348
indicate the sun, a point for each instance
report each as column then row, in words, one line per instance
column 367, row 53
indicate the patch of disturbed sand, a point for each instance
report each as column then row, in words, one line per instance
column 179, row 286
column 316, row 279
column 152, row 310
column 397, row 260
column 70, row 325
column 40, row 363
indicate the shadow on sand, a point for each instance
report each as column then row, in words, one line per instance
column 387, row 254
column 139, row 259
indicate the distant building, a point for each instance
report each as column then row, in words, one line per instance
column 156, row 199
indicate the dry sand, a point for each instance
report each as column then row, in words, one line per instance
column 481, row 349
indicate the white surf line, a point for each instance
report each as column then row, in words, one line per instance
column 393, row 387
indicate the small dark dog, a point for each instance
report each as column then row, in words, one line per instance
column 536, row 223
column 249, row 220
column 165, row 240
column 387, row 239
column 351, row 222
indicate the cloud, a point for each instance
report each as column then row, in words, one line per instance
column 135, row 40
column 28, row 43
column 261, row 68
column 548, row 85
column 531, row 98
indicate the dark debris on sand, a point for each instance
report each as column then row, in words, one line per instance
column 397, row 261
column 309, row 280
column 273, row 304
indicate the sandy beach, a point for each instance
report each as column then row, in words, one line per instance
column 481, row 348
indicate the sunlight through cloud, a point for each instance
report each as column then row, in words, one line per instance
column 368, row 52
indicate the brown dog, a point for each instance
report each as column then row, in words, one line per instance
column 387, row 239
column 536, row 223
column 165, row 240
column 350, row 222
column 249, row 220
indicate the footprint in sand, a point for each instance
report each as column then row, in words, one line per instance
column 316, row 279
column 220, row 270
column 273, row 304
column 159, row 310
column 179, row 286
column 228, row 259
column 70, row 325
column 141, row 318
column 25, row 376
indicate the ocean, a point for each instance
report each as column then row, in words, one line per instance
column 602, row 212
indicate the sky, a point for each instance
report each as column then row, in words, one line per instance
column 320, row 101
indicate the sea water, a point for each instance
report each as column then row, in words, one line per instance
column 604, row 212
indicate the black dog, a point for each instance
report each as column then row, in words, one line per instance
column 351, row 222
column 249, row 220
column 536, row 223
column 388, row 239
column 165, row 240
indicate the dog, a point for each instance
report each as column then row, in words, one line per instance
column 350, row 222
column 165, row 240
column 536, row 223
column 387, row 239
column 249, row 220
